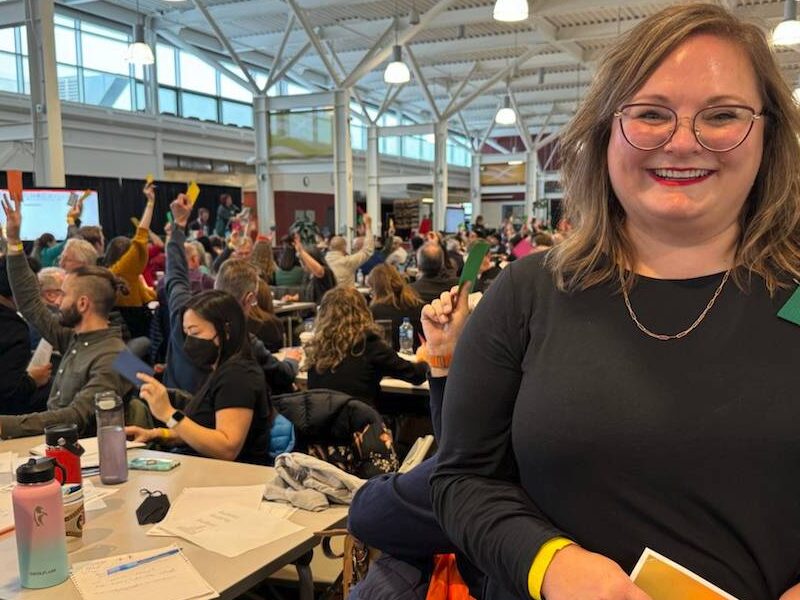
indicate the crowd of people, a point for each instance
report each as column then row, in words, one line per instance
column 198, row 305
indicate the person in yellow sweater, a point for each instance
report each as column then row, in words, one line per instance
column 127, row 258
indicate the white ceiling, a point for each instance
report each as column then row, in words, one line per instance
column 559, row 45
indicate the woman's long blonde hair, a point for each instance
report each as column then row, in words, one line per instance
column 340, row 329
column 389, row 287
column 598, row 250
column 263, row 260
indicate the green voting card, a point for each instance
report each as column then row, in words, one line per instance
column 791, row 310
column 472, row 265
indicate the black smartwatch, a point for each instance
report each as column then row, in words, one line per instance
column 176, row 418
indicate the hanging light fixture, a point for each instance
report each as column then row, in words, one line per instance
column 397, row 71
column 139, row 53
column 510, row 10
column 506, row 114
column 787, row 33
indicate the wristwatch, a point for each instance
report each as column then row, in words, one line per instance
column 176, row 418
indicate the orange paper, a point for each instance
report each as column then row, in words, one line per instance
column 663, row 579
column 192, row 192
column 14, row 179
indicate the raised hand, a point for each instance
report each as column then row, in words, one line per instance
column 181, row 209
column 443, row 320
column 13, row 211
column 149, row 192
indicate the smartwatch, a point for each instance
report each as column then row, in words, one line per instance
column 176, row 418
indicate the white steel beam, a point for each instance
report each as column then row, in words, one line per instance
column 440, row 180
column 422, row 84
column 265, row 199
column 279, row 54
column 276, row 76
column 227, row 45
column 503, row 159
column 391, row 94
column 207, row 58
column 502, row 189
column 397, row 130
column 454, row 96
column 315, row 41
column 48, row 137
column 353, row 90
column 492, row 81
column 316, row 100
column 373, row 178
column 12, row 13
column 531, row 183
column 522, row 127
column 344, row 207
column 16, row 132
column 425, row 179
column 475, row 185
column 403, row 37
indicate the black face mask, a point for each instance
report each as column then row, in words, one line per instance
column 69, row 317
column 203, row 353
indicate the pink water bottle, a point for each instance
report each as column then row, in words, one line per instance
column 39, row 524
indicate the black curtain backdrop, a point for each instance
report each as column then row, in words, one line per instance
column 120, row 199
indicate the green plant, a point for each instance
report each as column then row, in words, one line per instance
column 307, row 229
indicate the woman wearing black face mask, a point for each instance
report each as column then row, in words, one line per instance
column 228, row 418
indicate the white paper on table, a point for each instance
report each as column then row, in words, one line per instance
column 8, row 464
column 6, row 511
column 41, row 356
column 91, row 455
column 232, row 530
column 278, row 510
column 168, row 578
column 93, row 496
column 195, row 500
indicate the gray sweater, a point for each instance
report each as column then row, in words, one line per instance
column 85, row 368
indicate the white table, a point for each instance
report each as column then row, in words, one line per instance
column 114, row 530
column 292, row 308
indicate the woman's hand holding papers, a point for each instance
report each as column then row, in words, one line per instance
column 155, row 394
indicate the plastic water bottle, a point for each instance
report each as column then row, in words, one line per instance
column 406, row 337
column 360, row 278
column 110, row 414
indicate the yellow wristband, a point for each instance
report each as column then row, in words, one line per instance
column 540, row 563
column 164, row 433
column 15, row 248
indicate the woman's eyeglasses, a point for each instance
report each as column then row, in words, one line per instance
column 717, row 128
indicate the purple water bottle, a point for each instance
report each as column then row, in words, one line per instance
column 110, row 414
column 39, row 524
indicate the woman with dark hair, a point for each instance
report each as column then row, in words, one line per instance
column 228, row 418
column 289, row 272
column 348, row 353
column 261, row 320
column 393, row 298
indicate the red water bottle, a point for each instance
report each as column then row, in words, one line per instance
column 62, row 445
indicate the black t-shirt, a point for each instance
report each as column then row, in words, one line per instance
column 562, row 418
column 360, row 373
column 269, row 332
column 237, row 383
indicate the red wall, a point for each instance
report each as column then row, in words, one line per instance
column 288, row 202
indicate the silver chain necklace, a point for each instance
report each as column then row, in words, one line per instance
column 685, row 332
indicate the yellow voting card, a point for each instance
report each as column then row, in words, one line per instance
column 663, row 579
column 149, row 179
column 192, row 192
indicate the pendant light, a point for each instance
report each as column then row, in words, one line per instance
column 139, row 53
column 397, row 72
column 510, row 10
column 787, row 33
column 506, row 114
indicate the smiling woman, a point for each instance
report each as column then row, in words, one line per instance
column 632, row 388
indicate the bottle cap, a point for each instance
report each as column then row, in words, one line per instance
column 68, row 432
column 37, row 470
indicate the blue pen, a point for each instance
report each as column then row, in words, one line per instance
column 141, row 561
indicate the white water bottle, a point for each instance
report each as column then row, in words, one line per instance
column 406, row 337
column 360, row 277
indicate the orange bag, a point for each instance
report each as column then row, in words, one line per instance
column 446, row 582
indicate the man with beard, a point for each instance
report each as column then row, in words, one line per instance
column 80, row 332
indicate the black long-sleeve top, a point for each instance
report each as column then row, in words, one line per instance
column 16, row 386
column 360, row 373
column 562, row 418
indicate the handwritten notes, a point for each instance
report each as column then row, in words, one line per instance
column 171, row 577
